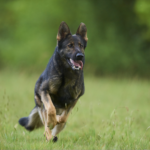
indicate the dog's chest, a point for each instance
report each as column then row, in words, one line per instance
column 68, row 93
column 72, row 88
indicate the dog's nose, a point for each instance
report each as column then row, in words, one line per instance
column 79, row 56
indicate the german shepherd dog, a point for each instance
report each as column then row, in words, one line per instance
column 60, row 85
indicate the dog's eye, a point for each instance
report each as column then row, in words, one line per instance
column 70, row 45
column 80, row 45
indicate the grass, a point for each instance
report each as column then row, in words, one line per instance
column 113, row 114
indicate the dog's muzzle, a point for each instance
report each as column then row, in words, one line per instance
column 75, row 64
column 79, row 56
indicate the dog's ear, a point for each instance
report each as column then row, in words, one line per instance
column 82, row 31
column 63, row 31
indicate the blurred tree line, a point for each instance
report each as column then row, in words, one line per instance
column 118, row 32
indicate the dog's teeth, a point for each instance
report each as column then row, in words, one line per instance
column 71, row 60
column 77, row 68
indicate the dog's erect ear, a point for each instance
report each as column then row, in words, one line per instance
column 82, row 31
column 63, row 31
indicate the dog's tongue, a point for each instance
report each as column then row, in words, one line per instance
column 78, row 63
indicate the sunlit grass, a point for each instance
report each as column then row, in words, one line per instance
column 113, row 114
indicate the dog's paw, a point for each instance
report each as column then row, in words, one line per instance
column 48, row 138
column 48, row 134
column 55, row 139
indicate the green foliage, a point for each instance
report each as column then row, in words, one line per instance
column 113, row 114
column 118, row 41
column 142, row 8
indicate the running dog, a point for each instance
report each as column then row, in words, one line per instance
column 60, row 85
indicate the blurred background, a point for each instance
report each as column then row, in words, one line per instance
column 117, row 71
column 118, row 33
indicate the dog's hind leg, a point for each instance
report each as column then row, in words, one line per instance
column 33, row 121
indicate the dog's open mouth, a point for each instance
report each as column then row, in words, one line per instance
column 76, row 65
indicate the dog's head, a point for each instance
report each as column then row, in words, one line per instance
column 71, row 47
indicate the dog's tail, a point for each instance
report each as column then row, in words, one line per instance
column 33, row 121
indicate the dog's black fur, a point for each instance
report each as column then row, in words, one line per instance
column 62, row 79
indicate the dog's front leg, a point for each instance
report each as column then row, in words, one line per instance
column 65, row 114
column 49, row 114
column 63, row 117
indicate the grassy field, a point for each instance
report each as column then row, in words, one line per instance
column 113, row 114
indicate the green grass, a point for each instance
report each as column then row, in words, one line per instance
column 112, row 114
